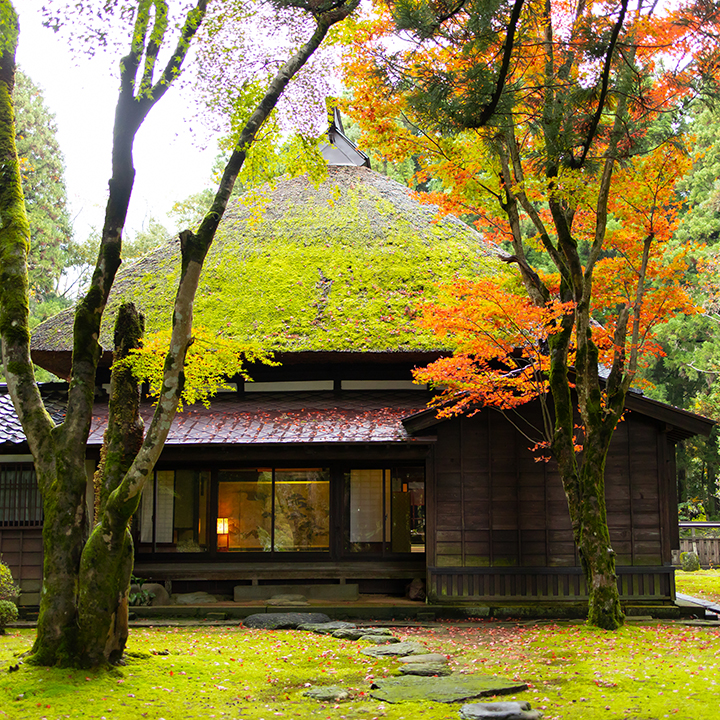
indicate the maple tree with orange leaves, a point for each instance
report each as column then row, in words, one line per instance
column 557, row 127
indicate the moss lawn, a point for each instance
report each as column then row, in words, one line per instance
column 704, row 584
column 640, row 672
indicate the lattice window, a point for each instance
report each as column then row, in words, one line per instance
column 20, row 501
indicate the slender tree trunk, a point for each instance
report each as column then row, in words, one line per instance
column 592, row 538
column 583, row 476
column 585, row 492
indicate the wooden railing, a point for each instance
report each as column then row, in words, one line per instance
column 544, row 584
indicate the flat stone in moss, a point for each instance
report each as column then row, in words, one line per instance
column 428, row 658
column 455, row 688
column 328, row 693
column 357, row 633
column 283, row 621
column 326, row 628
column 396, row 650
column 426, row 669
column 379, row 639
column 499, row 711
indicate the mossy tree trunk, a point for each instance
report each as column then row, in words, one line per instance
column 63, row 483
column 59, row 451
column 83, row 610
column 107, row 558
column 583, row 475
column 600, row 404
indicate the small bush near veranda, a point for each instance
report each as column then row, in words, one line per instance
column 8, row 614
column 8, row 589
column 9, row 592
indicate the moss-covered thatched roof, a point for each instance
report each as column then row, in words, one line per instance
column 338, row 267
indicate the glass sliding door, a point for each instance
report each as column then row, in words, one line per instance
column 385, row 510
column 274, row 510
column 245, row 510
column 302, row 510
column 173, row 511
column 408, row 509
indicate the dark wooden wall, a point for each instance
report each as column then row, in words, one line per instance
column 636, row 486
column 21, row 549
column 501, row 525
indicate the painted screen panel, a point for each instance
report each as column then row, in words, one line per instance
column 302, row 510
column 245, row 501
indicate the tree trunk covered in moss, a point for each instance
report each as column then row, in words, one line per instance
column 596, row 554
column 600, row 408
column 83, row 608
column 124, row 434
column 107, row 558
column 60, row 466
column 65, row 530
column 59, row 452
column 584, row 483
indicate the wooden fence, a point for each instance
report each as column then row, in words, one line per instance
column 707, row 548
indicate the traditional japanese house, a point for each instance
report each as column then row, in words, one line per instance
column 328, row 467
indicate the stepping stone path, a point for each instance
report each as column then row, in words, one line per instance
column 499, row 711
column 424, row 676
column 433, row 669
column 425, row 665
column 380, row 639
column 327, row 628
column 427, row 658
column 356, row 633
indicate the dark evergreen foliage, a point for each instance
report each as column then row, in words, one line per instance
column 43, row 178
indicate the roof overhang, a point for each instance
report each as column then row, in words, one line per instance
column 59, row 362
column 680, row 424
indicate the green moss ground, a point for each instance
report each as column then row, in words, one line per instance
column 574, row 672
column 704, row 584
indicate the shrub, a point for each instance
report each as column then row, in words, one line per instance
column 8, row 589
column 8, row 614
column 690, row 561
column 137, row 595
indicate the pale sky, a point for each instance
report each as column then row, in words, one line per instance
column 170, row 164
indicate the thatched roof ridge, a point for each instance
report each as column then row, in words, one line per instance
column 295, row 268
